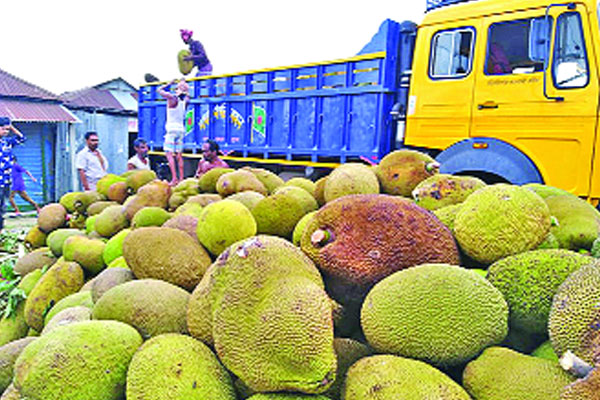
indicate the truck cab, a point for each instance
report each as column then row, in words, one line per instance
column 509, row 90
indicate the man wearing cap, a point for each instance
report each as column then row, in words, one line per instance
column 6, row 161
column 198, row 54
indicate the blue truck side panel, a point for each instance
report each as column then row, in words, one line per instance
column 326, row 111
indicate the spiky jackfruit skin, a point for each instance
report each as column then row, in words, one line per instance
column 189, row 187
column 279, row 213
column 286, row 396
column 138, row 179
column 300, row 226
column 8, row 355
column 85, row 199
column 51, row 217
column 302, row 183
column 224, row 223
column 90, row 224
column 62, row 279
column 545, row 191
column 185, row 223
column 501, row 373
column 136, row 303
column 267, row 178
column 501, row 220
column 441, row 190
column 469, row 314
column 79, row 299
column 57, row 238
column 85, row 252
column 587, row 388
column 67, row 316
column 320, row 190
column 239, row 181
column 68, row 201
column 154, row 194
column 193, row 209
column 150, row 216
column 167, row 254
column 37, row 259
column 447, row 214
column 575, row 316
column 114, row 247
column 529, row 281
column 106, row 182
column 177, row 367
column 351, row 178
column 368, row 237
column 578, row 222
column 35, row 238
column 545, row 351
column 111, row 221
column 248, row 198
column 108, row 279
column 82, row 361
column 99, row 206
column 269, row 316
column 401, row 171
column 207, row 183
column 388, row 377
column 347, row 351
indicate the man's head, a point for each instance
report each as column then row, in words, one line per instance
column 91, row 139
column 182, row 88
column 4, row 125
column 186, row 35
column 210, row 150
column 140, row 146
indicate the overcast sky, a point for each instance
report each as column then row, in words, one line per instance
column 64, row 45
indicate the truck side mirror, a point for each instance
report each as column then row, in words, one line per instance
column 539, row 39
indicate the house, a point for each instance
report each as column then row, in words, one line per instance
column 110, row 110
column 48, row 126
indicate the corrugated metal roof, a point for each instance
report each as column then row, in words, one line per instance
column 30, row 111
column 92, row 98
column 12, row 86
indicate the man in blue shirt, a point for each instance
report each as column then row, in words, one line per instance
column 6, row 161
column 198, row 54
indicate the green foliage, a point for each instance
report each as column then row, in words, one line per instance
column 10, row 295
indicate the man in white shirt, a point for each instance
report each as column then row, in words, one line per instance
column 91, row 163
column 140, row 159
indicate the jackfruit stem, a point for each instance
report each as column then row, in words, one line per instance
column 320, row 237
column 432, row 166
column 575, row 365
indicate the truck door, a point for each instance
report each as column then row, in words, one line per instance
column 439, row 109
column 551, row 122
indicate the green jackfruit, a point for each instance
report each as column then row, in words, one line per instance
column 90, row 224
column 208, row 181
column 106, row 182
column 177, row 367
column 118, row 263
column 8, row 355
column 501, row 373
column 545, row 191
column 578, row 222
column 67, row 316
column 114, row 247
column 176, row 200
column 78, row 299
column 401, row 171
column 185, row 223
column 193, row 209
column 37, row 259
column 352, row 178
column 154, row 194
column 151, row 306
column 51, row 217
column 85, row 252
column 86, row 199
column 388, row 377
column 118, row 192
column 189, row 187
column 302, row 183
column 111, row 221
column 248, row 198
column 239, row 181
column 62, row 279
column 530, row 280
column 57, row 238
column 469, row 314
column 299, row 229
column 35, row 238
column 68, row 201
column 99, row 206
column 267, row 178
column 546, row 351
column 279, row 213
column 575, row 316
column 150, row 216
column 138, row 179
column 223, row 223
column 320, row 190
column 204, row 199
column 347, row 351
column 448, row 214
column 108, row 279
column 167, row 254
column 441, row 190
column 81, row 361
column 501, row 220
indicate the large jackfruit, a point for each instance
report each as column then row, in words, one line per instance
column 239, row 181
column 578, row 222
column 78, row 299
column 106, row 182
column 8, row 355
column 51, row 217
column 57, row 238
column 574, row 322
column 139, row 178
column 185, row 223
column 67, row 316
column 358, row 240
column 263, row 304
column 500, row 373
column 267, row 178
column 501, row 220
column 401, row 171
column 37, row 259
column 530, row 280
column 108, row 279
column 442, row 190
column 81, row 361
column 154, row 194
column 35, row 238
column 111, row 221
column 208, row 181
column 442, row 314
column 388, row 377
column 302, row 183
column 351, row 178
column 85, row 252
column 177, row 367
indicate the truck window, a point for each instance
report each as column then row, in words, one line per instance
column 452, row 53
column 570, row 67
column 517, row 47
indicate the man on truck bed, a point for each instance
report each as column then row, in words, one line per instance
column 176, row 105
column 210, row 158
column 198, row 54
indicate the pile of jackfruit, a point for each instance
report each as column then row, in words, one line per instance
column 373, row 283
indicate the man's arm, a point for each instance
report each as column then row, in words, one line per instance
column 130, row 166
column 31, row 176
column 199, row 170
column 84, row 182
column 165, row 93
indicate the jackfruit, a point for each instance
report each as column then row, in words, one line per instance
column 177, row 367
column 151, row 306
column 67, row 316
column 118, row 262
column 448, row 214
column 35, row 238
column 239, row 181
column 545, row 191
column 99, row 206
column 546, row 351
column 401, row 171
column 85, row 252
column 51, row 216
column 57, row 238
column 150, row 216
column 154, row 194
column 388, row 377
column 167, row 254
column 111, row 221
column 501, row 373
column 81, row 361
column 90, row 224
column 248, row 198
column 501, row 220
column 469, row 314
column 271, row 320
column 204, row 199
column 189, row 187
column 358, row 240
column 117, row 192
column 106, row 182
column 86, row 199
column 68, row 201
column 270, row 180
column 574, row 322
column 114, row 247
column 8, row 355
column 207, row 183
column 185, row 223
column 176, row 200
column 37, row 259
column 347, row 351
column 78, row 299
column 587, row 388
column 528, row 281
column 441, row 190
column 62, row 279
column 578, row 222
column 302, row 183
column 223, row 223
column 351, row 178
column 193, row 209
column 320, row 190
column 108, row 279
column 279, row 213
column 138, row 179
column 300, row 226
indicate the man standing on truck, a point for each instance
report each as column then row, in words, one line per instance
column 210, row 158
column 176, row 106
column 198, row 54
column 90, row 162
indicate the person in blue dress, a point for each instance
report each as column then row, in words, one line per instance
column 18, row 187
column 6, row 160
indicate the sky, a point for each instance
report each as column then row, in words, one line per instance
column 65, row 45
